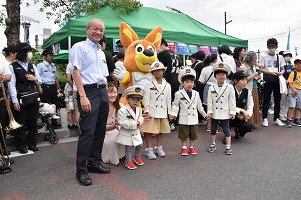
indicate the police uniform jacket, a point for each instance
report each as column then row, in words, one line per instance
column 129, row 133
column 187, row 107
column 221, row 102
column 157, row 100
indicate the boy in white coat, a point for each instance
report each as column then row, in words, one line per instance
column 157, row 105
column 186, row 104
column 221, row 105
column 130, row 119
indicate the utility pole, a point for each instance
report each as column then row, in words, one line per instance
column 226, row 22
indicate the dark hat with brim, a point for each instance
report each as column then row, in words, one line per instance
column 23, row 47
column 239, row 75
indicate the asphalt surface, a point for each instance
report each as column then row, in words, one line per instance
column 266, row 164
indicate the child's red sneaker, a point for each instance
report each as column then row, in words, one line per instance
column 184, row 151
column 130, row 165
column 138, row 161
column 193, row 151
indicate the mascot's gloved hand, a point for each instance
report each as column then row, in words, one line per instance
column 120, row 71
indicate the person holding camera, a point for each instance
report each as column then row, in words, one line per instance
column 249, row 67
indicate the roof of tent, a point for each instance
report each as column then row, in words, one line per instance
column 176, row 28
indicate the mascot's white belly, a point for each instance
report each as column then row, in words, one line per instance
column 140, row 79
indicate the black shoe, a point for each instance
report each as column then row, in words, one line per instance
column 98, row 169
column 23, row 150
column 84, row 179
column 70, row 127
column 33, row 147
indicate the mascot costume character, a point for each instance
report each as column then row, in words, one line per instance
column 138, row 57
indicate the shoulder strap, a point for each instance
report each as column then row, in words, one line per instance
column 221, row 58
column 208, row 78
column 295, row 75
column 277, row 63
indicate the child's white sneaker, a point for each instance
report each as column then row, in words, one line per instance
column 159, row 151
column 265, row 122
column 149, row 153
column 55, row 117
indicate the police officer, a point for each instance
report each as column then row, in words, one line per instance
column 25, row 78
column 49, row 78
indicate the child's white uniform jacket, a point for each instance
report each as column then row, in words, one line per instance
column 129, row 133
column 157, row 100
column 221, row 102
column 187, row 108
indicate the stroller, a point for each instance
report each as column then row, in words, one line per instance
column 45, row 125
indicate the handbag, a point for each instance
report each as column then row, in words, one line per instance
column 283, row 85
column 272, row 79
column 29, row 97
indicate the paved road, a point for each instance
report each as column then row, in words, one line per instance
column 266, row 164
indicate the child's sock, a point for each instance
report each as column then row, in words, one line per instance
column 228, row 146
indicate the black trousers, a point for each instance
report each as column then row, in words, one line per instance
column 241, row 126
column 27, row 134
column 49, row 94
column 93, row 128
column 268, row 88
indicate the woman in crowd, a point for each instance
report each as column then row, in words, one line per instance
column 249, row 67
column 112, row 151
column 10, row 54
column 238, row 55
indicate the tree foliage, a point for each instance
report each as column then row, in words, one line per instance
column 60, row 10
column 67, row 9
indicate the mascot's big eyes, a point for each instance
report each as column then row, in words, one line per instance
column 139, row 48
column 151, row 48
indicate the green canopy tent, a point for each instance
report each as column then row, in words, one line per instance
column 176, row 28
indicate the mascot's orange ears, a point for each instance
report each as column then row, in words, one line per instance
column 128, row 35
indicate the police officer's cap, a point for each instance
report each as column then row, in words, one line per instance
column 23, row 46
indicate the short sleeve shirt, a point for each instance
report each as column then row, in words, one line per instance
column 297, row 82
column 90, row 60
column 270, row 62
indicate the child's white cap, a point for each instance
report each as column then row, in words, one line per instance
column 134, row 92
column 156, row 66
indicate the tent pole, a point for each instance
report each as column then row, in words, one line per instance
column 69, row 46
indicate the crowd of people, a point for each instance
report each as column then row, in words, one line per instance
column 219, row 89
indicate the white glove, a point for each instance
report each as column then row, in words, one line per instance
column 120, row 71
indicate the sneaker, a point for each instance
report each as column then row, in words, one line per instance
column 271, row 112
column 149, row 153
column 172, row 127
column 138, row 161
column 55, row 117
column 288, row 124
column 130, row 165
column 208, row 129
column 212, row 148
column 218, row 131
column 228, row 151
column 265, row 122
column 282, row 118
column 296, row 123
column 184, row 151
column 193, row 151
column 278, row 122
column 159, row 151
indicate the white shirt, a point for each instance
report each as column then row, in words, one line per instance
column 69, row 70
column 270, row 62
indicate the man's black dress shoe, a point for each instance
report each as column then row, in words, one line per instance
column 33, row 147
column 98, row 169
column 84, row 179
column 23, row 150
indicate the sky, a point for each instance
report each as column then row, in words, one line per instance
column 255, row 21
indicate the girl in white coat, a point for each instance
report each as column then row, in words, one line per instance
column 157, row 105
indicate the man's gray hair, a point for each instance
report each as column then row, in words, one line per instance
column 91, row 21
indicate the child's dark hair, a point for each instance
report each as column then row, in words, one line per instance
column 116, row 104
column 272, row 41
column 188, row 78
column 9, row 49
